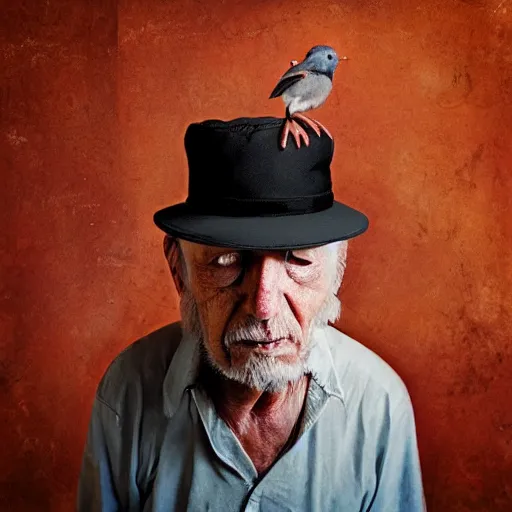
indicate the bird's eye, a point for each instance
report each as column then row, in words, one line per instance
column 329, row 56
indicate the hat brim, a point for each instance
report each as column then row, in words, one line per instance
column 340, row 222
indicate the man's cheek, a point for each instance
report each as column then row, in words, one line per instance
column 216, row 311
column 307, row 302
column 205, row 294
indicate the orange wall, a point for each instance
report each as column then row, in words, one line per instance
column 95, row 98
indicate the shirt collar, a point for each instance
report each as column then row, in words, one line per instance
column 184, row 367
column 321, row 364
column 182, row 372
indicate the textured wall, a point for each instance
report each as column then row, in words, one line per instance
column 95, row 98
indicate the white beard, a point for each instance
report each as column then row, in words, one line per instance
column 259, row 372
column 262, row 373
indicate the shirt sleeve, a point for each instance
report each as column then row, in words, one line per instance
column 399, row 484
column 96, row 488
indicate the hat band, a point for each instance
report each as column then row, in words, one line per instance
column 235, row 207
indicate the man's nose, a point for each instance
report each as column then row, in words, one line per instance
column 266, row 291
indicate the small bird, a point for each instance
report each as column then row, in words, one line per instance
column 306, row 85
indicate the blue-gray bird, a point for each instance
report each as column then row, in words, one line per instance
column 306, row 85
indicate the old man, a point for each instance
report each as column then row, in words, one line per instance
column 253, row 402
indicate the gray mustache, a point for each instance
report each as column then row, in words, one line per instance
column 257, row 331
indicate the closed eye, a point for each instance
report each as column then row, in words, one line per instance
column 291, row 258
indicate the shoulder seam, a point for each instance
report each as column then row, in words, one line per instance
column 102, row 401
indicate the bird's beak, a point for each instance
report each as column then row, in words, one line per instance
column 344, row 57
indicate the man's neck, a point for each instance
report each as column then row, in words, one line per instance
column 237, row 402
column 262, row 421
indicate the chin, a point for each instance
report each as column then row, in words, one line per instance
column 259, row 372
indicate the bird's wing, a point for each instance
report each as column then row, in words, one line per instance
column 287, row 80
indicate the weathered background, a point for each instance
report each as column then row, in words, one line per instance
column 95, row 97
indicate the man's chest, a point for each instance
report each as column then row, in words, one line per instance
column 202, row 466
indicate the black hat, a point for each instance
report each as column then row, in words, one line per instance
column 245, row 192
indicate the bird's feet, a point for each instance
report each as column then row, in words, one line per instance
column 292, row 126
column 295, row 129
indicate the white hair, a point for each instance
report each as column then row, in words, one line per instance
column 331, row 309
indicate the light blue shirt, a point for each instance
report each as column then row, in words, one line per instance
column 156, row 443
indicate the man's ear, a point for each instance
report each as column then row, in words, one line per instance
column 174, row 259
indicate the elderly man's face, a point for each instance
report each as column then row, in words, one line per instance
column 255, row 309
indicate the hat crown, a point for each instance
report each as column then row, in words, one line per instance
column 239, row 164
column 245, row 192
